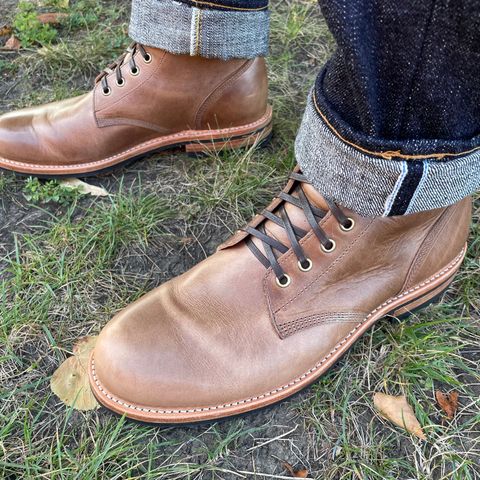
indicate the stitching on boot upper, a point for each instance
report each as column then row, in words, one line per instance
column 129, row 92
column 216, row 93
column 330, row 267
column 324, row 318
column 174, row 136
column 428, row 242
column 293, row 382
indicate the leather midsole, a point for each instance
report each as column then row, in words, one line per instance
column 197, row 414
column 253, row 131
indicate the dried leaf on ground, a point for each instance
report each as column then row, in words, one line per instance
column 302, row 473
column 5, row 30
column 84, row 188
column 52, row 18
column 448, row 402
column 398, row 411
column 13, row 43
column 70, row 381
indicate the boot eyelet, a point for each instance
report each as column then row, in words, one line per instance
column 135, row 71
column 121, row 82
column 283, row 282
column 107, row 91
column 349, row 226
column 147, row 58
column 307, row 267
column 330, row 249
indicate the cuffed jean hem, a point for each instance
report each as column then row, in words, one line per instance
column 376, row 186
column 181, row 29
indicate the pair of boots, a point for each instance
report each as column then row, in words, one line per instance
column 278, row 303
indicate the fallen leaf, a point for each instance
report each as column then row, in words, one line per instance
column 13, row 43
column 51, row 18
column 83, row 348
column 84, row 188
column 70, row 381
column 398, row 411
column 302, row 473
column 448, row 402
column 5, row 30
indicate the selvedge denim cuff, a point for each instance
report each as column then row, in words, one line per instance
column 183, row 29
column 382, row 185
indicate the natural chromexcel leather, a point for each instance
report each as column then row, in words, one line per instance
column 169, row 94
column 224, row 333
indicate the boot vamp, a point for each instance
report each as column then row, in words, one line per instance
column 63, row 133
column 222, row 332
column 204, row 338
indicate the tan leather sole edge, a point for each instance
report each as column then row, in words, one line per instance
column 191, row 140
column 414, row 295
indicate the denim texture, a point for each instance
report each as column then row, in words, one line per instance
column 374, row 185
column 392, row 124
column 182, row 29
column 405, row 74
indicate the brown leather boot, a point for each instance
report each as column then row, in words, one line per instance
column 147, row 101
column 273, row 309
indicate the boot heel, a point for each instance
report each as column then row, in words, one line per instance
column 260, row 138
column 430, row 298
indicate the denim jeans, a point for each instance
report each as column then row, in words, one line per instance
column 392, row 124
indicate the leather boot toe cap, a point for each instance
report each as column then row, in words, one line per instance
column 142, row 358
column 16, row 135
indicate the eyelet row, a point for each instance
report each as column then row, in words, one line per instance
column 333, row 245
column 133, row 71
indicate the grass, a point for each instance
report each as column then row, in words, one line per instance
column 68, row 263
column 28, row 28
column 36, row 191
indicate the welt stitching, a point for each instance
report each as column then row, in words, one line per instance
column 293, row 382
column 332, row 265
column 174, row 136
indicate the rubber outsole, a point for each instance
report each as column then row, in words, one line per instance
column 429, row 291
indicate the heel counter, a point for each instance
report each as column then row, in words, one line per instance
column 445, row 240
column 241, row 99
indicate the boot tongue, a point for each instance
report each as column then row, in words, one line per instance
column 315, row 198
column 295, row 214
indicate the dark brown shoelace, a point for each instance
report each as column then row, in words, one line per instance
column 117, row 66
column 294, row 233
